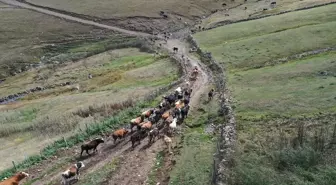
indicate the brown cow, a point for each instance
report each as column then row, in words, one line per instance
column 15, row 179
column 136, row 122
column 121, row 133
column 147, row 113
column 166, row 115
column 146, row 125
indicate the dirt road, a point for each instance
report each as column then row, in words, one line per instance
column 71, row 18
column 135, row 164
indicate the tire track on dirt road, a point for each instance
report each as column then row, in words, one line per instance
column 72, row 18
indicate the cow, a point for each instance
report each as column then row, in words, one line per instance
column 146, row 125
column 152, row 134
column 178, row 93
column 210, row 94
column 175, row 49
column 121, row 133
column 166, row 115
column 72, row 172
column 91, row 145
column 14, row 180
column 147, row 113
column 137, row 136
column 136, row 122
column 168, row 142
column 184, row 112
column 170, row 99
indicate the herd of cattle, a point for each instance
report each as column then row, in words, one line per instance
column 15, row 96
column 154, row 123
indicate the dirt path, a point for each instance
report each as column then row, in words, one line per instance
column 135, row 164
column 71, row 18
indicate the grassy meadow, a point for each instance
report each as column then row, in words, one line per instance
column 28, row 38
column 131, row 8
column 285, row 110
column 120, row 78
column 255, row 8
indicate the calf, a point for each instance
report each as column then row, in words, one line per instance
column 152, row 134
column 72, row 172
column 15, row 179
column 91, row 145
column 121, row 133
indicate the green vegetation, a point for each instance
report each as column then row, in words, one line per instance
column 257, row 43
column 90, row 132
column 100, row 175
column 256, row 9
column 29, row 37
column 158, row 164
column 287, row 90
column 119, row 80
column 108, row 9
column 194, row 165
column 284, row 110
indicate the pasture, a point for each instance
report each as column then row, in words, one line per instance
column 30, row 39
column 255, row 8
column 262, row 42
column 140, row 14
column 284, row 102
column 120, row 77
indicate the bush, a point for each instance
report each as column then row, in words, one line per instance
column 305, row 158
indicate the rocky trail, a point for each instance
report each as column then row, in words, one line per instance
column 135, row 165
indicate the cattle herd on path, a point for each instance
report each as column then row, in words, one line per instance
column 161, row 122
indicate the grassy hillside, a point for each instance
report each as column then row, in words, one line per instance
column 251, row 9
column 118, row 76
column 258, row 43
column 140, row 15
column 285, row 107
column 29, row 37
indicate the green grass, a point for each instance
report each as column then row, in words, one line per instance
column 158, row 164
column 129, row 8
column 271, row 98
column 194, row 166
column 292, row 89
column 255, row 9
column 119, row 76
column 256, row 45
column 289, row 166
column 90, row 132
column 28, row 37
column 100, row 175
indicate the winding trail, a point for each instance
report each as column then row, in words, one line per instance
column 136, row 164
